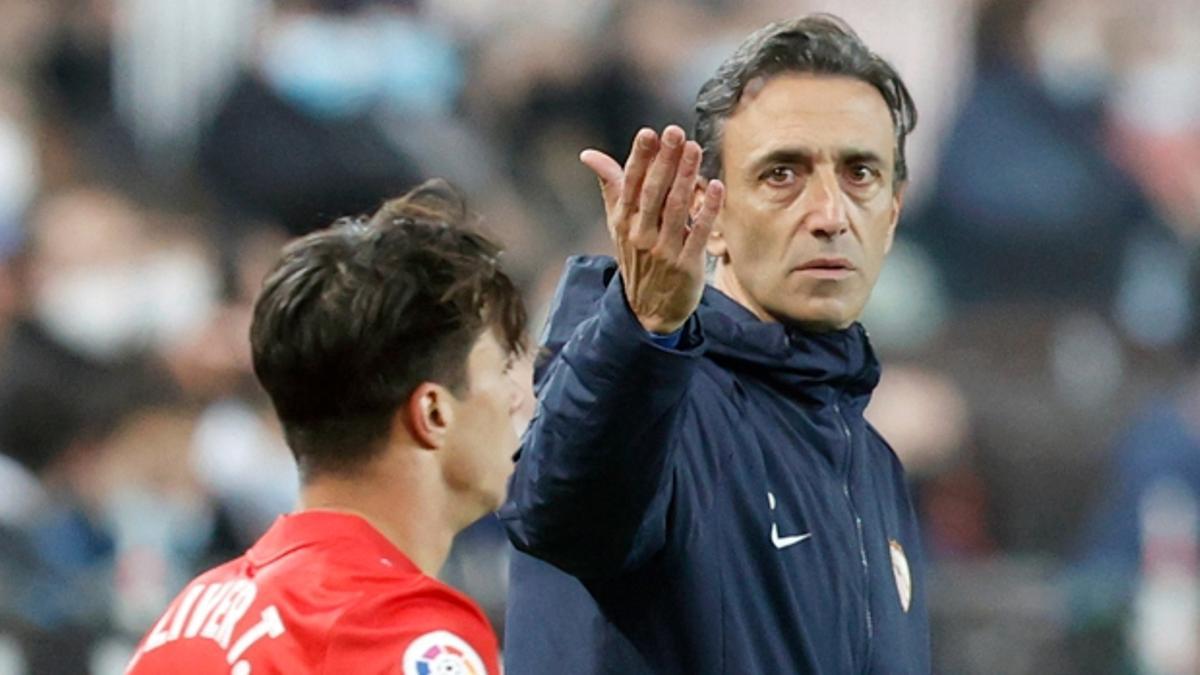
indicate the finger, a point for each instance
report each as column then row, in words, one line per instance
column 679, row 200
column 609, row 173
column 702, row 224
column 645, row 148
column 658, row 183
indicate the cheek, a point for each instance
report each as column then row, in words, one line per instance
column 494, row 421
column 881, row 239
column 739, row 216
column 876, row 219
column 757, row 239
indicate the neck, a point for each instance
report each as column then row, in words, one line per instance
column 400, row 495
column 726, row 281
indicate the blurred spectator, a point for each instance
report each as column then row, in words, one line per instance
column 1037, row 285
column 1154, row 130
column 172, row 63
column 924, row 415
column 95, row 377
column 1038, row 236
column 19, row 170
column 297, row 140
column 238, row 451
column 556, row 83
column 56, row 408
column 1154, row 105
column 1155, row 465
column 108, row 281
column 1027, row 206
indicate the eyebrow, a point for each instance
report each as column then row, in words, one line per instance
column 803, row 155
column 854, row 155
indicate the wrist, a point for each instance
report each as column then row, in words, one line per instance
column 668, row 340
column 661, row 328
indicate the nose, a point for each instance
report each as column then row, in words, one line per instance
column 521, row 404
column 516, row 396
column 824, row 208
column 520, row 390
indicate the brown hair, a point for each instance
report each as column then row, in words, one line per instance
column 353, row 317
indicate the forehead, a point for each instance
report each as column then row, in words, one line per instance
column 819, row 113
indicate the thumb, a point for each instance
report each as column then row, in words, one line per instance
column 608, row 171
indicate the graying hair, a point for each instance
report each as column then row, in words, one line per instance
column 820, row 44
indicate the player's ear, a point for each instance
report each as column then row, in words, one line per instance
column 429, row 414
column 716, row 240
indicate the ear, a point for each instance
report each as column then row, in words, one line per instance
column 429, row 415
column 897, row 206
column 716, row 239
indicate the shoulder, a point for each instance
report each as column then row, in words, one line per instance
column 422, row 627
column 881, row 448
column 226, row 571
column 577, row 298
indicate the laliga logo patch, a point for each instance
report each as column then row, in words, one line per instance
column 442, row 653
column 902, row 573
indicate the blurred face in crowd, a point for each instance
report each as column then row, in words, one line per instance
column 811, row 204
column 483, row 427
column 106, row 280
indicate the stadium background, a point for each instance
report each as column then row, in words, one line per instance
column 1037, row 319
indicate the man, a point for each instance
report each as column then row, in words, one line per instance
column 699, row 492
column 386, row 346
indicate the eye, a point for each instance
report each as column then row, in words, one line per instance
column 861, row 174
column 779, row 176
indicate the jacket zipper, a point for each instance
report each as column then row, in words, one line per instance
column 862, row 547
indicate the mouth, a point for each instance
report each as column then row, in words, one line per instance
column 827, row 268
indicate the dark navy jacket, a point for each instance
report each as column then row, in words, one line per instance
column 720, row 507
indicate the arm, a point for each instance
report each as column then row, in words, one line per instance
column 590, row 489
column 592, row 484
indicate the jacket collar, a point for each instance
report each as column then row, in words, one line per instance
column 785, row 355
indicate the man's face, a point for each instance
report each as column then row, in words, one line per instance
column 483, row 435
column 810, row 208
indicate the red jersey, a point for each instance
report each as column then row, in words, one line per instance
column 320, row 592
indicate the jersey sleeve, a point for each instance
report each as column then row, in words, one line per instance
column 433, row 633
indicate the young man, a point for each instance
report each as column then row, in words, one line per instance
column 386, row 346
column 700, row 492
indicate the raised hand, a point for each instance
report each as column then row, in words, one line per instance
column 660, row 250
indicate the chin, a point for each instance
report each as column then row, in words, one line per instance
column 819, row 326
column 815, row 320
column 492, row 501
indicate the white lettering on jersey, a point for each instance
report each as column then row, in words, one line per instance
column 213, row 612
column 158, row 636
column 270, row 625
column 211, row 598
column 242, row 601
column 231, row 610
column 185, row 608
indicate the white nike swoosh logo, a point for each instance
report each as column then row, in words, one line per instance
column 784, row 542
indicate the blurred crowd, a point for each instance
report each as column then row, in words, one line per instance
column 1039, row 319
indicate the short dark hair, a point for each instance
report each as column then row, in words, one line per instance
column 820, row 44
column 354, row 317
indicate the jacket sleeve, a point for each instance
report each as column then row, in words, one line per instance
column 593, row 477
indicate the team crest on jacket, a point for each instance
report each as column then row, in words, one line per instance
column 442, row 653
column 902, row 573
